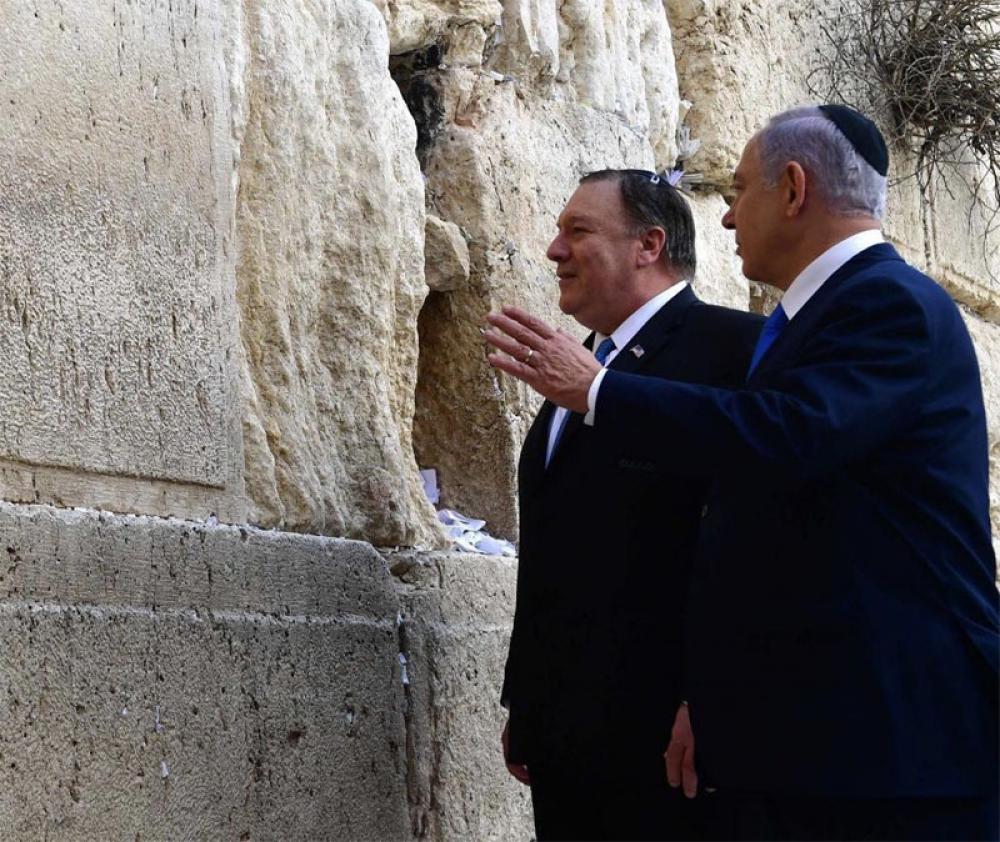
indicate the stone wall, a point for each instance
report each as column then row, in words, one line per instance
column 117, row 307
column 245, row 248
column 163, row 679
column 167, row 679
column 329, row 274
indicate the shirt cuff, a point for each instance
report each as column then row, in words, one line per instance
column 588, row 419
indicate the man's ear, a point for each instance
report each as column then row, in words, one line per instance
column 793, row 186
column 651, row 246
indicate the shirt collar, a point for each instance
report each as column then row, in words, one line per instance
column 810, row 279
column 626, row 331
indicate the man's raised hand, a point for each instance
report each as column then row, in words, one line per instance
column 553, row 364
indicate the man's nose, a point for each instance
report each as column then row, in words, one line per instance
column 557, row 249
column 727, row 219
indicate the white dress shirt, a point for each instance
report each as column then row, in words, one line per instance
column 810, row 279
column 623, row 334
column 806, row 284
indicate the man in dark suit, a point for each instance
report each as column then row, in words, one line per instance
column 608, row 529
column 842, row 636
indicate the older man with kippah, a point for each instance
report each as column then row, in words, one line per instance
column 842, row 635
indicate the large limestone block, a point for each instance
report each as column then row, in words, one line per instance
column 619, row 58
column 446, row 255
column 457, row 611
column 965, row 240
column 503, row 168
column 417, row 24
column 116, row 250
column 330, row 218
column 739, row 63
column 612, row 57
column 907, row 213
column 165, row 680
column 719, row 278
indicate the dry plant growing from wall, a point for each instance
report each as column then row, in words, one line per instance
column 930, row 69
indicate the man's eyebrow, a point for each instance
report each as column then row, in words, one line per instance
column 576, row 218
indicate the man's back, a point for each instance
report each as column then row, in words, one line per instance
column 863, row 613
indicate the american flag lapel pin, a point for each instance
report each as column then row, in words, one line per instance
column 638, row 351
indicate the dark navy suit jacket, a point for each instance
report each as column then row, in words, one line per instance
column 842, row 632
column 606, row 544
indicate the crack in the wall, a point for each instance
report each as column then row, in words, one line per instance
column 417, row 803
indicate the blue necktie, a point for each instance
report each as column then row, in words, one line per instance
column 603, row 351
column 772, row 329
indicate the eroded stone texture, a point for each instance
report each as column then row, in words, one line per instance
column 739, row 63
column 719, row 279
column 457, row 611
column 446, row 255
column 965, row 241
column 169, row 680
column 330, row 217
column 117, row 316
column 504, row 168
column 415, row 24
column 615, row 58
column 620, row 59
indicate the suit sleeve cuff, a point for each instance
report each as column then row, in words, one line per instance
column 595, row 386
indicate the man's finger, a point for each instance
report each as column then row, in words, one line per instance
column 672, row 757
column 532, row 323
column 503, row 343
column 689, row 775
column 516, row 330
column 512, row 366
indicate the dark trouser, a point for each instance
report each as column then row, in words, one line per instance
column 635, row 804
column 744, row 817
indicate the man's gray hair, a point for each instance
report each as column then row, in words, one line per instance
column 845, row 180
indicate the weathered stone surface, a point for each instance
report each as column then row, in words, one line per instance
column 457, row 611
column 719, row 279
column 117, row 315
column 620, row 59
column 615, row 58
column 330, row 219
column 965, row 242
column 168, row 680
column 739, row 63
column 446, row 255
column 503, row 168
column 906, row 211
column 415, row 24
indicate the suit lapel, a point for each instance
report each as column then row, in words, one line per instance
column 532, row 462
column 803, row 325
column 655, row 335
